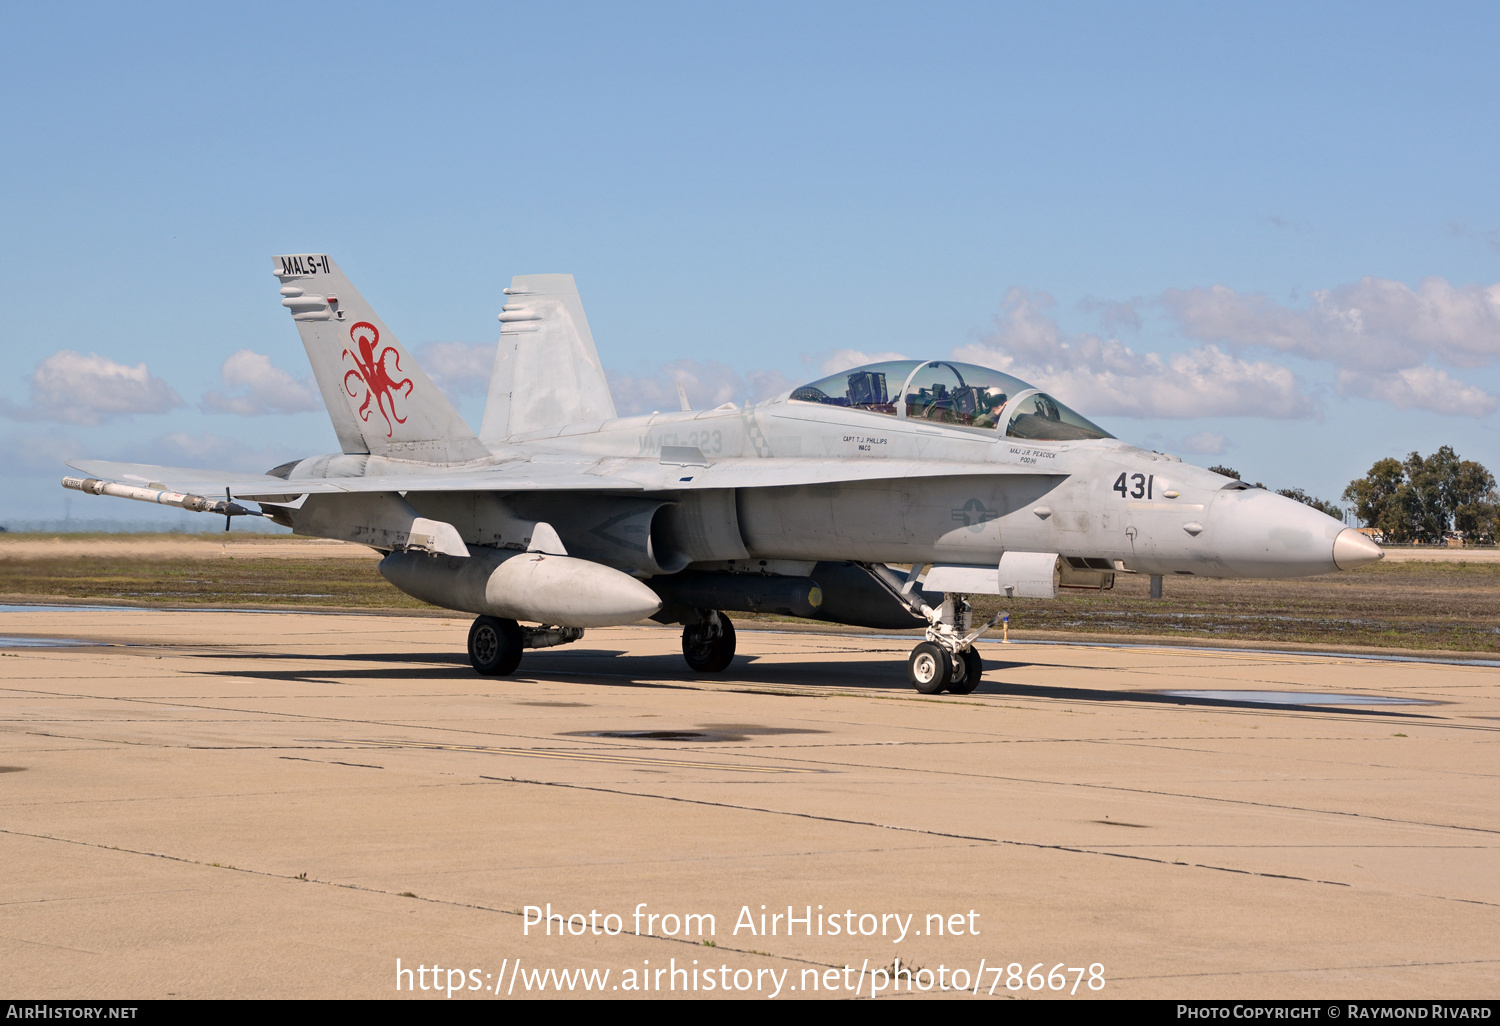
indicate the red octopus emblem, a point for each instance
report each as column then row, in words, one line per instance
column 381, row 387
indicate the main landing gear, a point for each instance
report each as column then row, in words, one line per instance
column 708, row 645
column 495, row 645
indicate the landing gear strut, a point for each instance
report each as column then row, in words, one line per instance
column 708, row 645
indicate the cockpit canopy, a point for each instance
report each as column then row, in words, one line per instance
column 959, row 394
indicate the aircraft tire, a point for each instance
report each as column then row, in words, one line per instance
column 930, row 668
column 709, row 655
column 973, row 671
column 495, row 646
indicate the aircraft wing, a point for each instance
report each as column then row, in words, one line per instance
column 194, row 480
column 518, row 476
column 607, row 474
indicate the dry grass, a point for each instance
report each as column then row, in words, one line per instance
column 233, row 580
column 1420, row 604
column 1452, row 606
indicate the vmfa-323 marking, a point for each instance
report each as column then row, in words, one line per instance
column 559, row 515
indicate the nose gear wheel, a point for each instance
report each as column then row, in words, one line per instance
column 973, row 667
column 930, row 668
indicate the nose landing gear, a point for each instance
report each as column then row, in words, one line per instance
column 932, row 669
column 947, row 661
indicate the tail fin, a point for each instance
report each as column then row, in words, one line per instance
column 547, row 372
column 380, row 401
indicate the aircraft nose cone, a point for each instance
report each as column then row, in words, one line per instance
column 1352, row 549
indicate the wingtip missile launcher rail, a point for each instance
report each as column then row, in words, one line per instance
column 225, row 507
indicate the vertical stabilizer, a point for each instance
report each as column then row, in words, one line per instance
column 380, row 401
column 547, row 372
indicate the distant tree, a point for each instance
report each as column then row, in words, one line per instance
column 1476, row 508
column 1376, row 501
column 1422, row 498
column 1427, row 498
column 1231, row 472
column 1320, row 505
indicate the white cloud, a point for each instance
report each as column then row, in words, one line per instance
column 1490, row 237
column 707, row 384
column 76, row 389
column 268, row 389
column 844, row 359
column 1285, row 223
column 1114, row 315
column 178, row 448
column 459, row 368
column 1380, row 334
column 43, row 454
column 1424, row 387
column 1370, row 325
column 1204, row 443
column 1101, row 377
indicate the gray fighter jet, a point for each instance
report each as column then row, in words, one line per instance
column 884, row 496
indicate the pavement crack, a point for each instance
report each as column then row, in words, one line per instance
column 1035, row 845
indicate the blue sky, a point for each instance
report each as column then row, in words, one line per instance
column 1263, row 235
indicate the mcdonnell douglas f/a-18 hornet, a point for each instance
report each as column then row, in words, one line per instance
column 559, row 515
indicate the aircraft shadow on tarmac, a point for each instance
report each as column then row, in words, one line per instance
column 994, row 687
column 618, row 669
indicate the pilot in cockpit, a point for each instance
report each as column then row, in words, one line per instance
column 981, row 406
column 958, row 394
